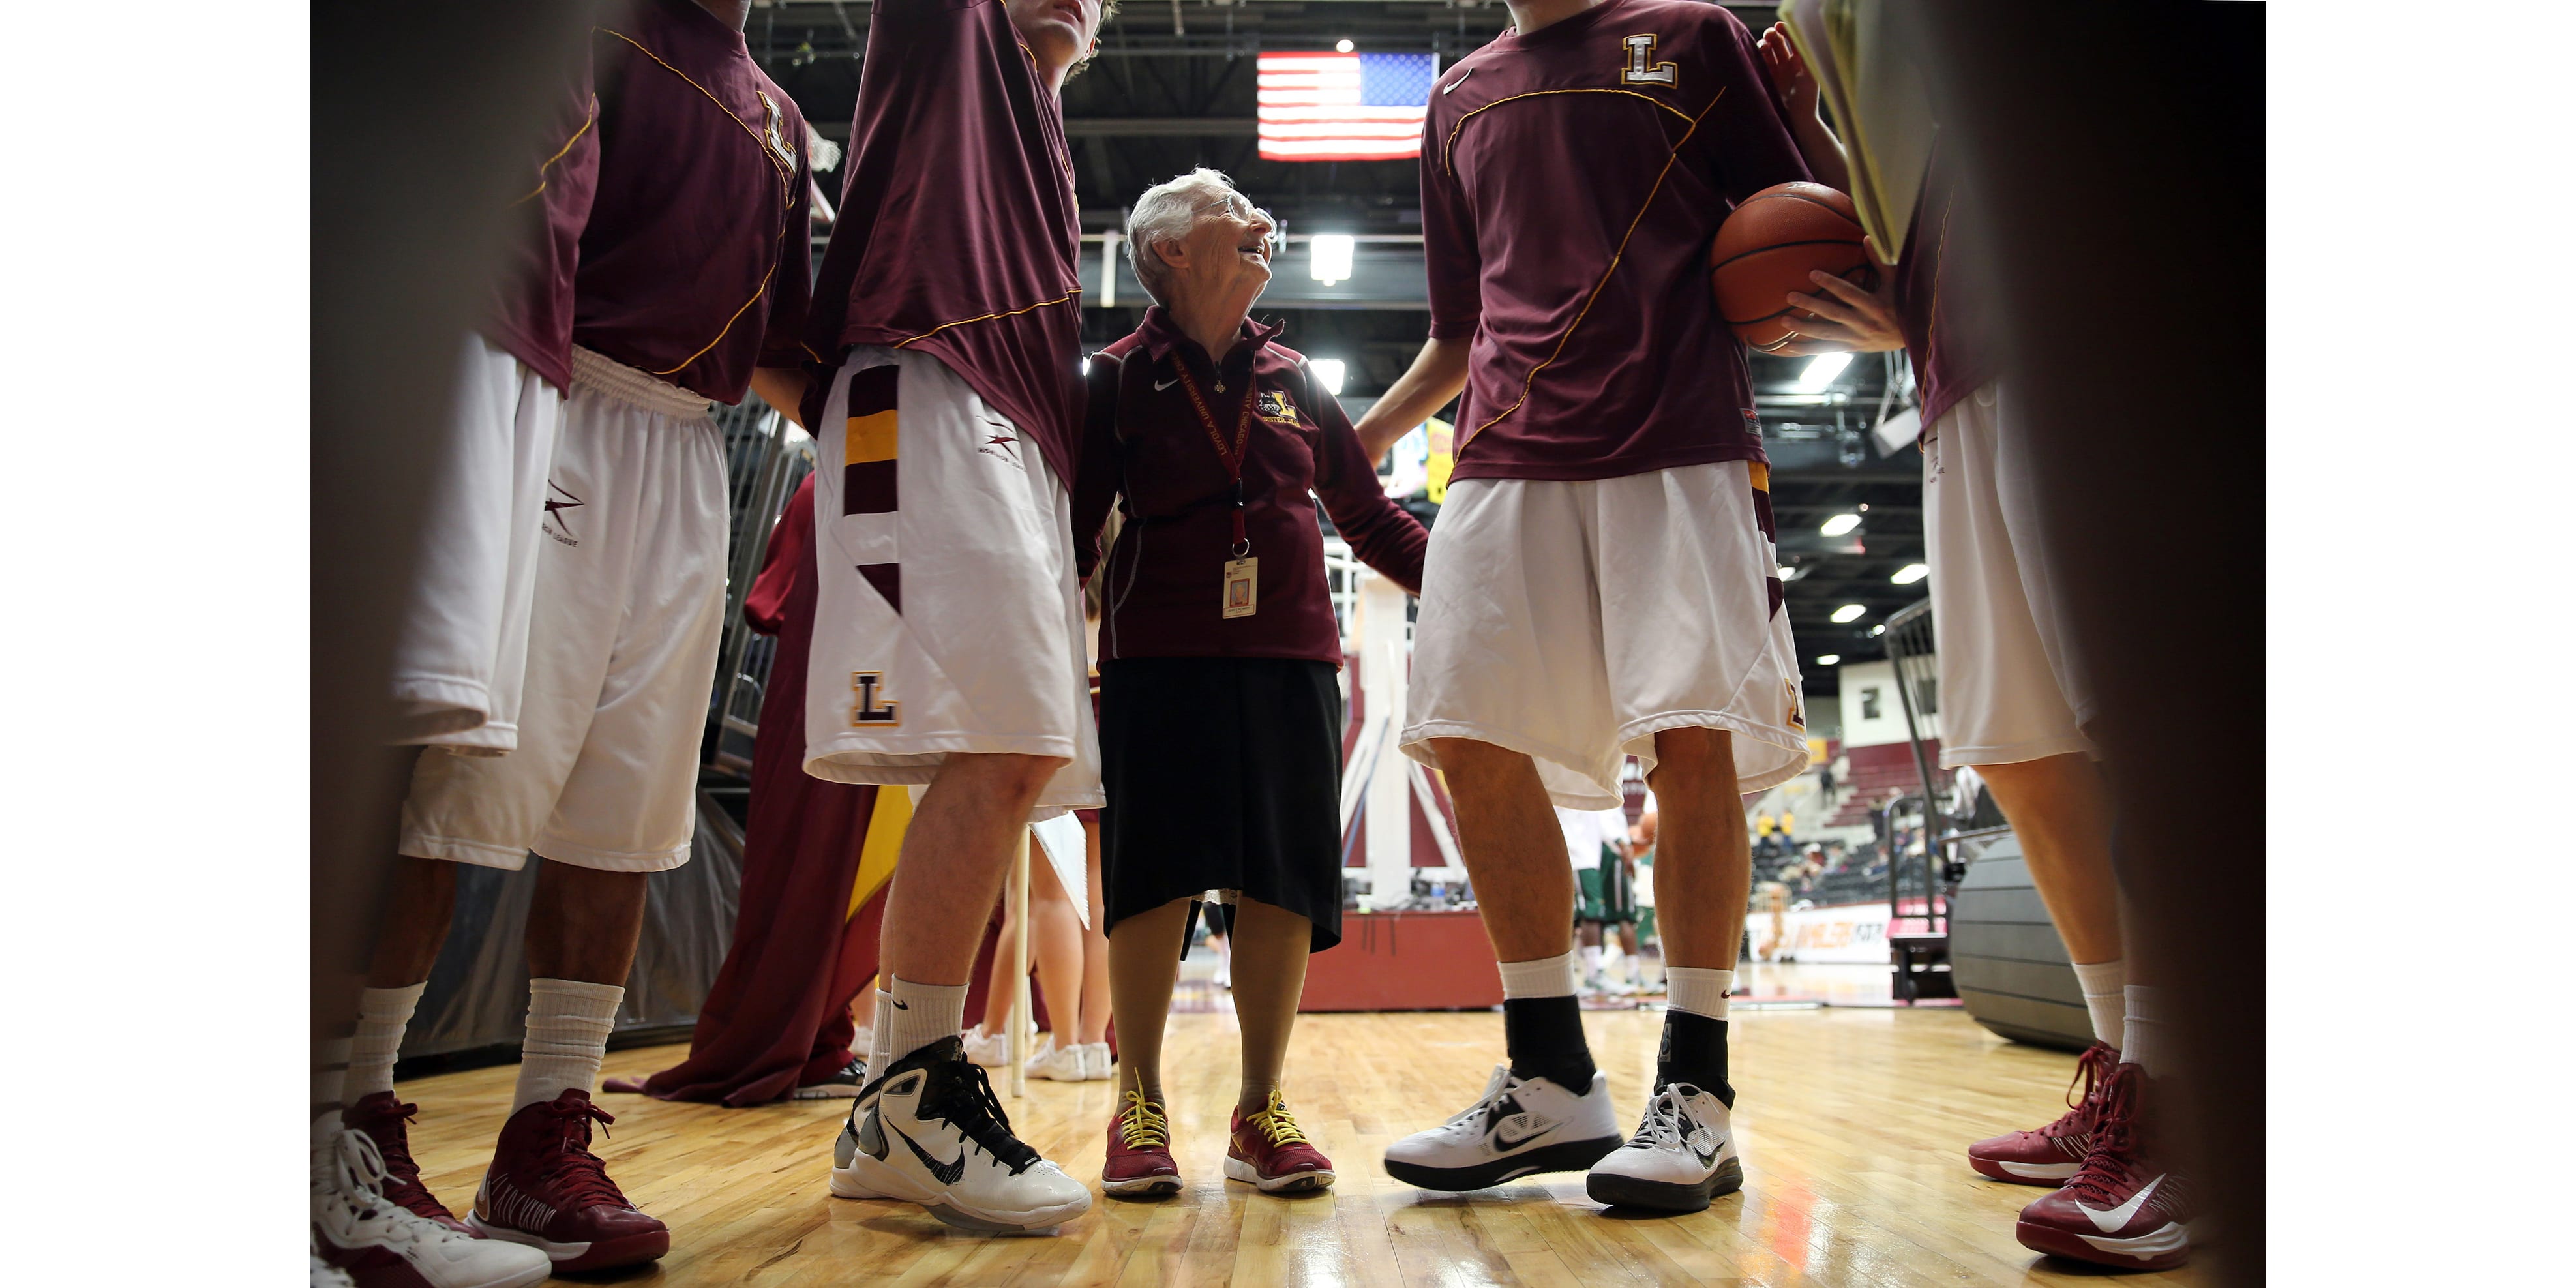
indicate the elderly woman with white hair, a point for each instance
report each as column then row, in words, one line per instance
column 1220, row 719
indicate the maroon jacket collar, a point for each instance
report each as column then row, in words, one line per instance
column 1162, row 335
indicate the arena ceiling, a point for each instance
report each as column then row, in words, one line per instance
column 1173, row 88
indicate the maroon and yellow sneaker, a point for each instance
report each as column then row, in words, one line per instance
column 547, row 1190
column 2051, row 1154
column 387, row 1122
column 1268, row 1150
column 2123, row 1207
column 1140, row 1151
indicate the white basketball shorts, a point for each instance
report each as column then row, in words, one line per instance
column 1572, row 621
column 621, row 647
column 2009, row 688
column 949, row 618
column 463, row 651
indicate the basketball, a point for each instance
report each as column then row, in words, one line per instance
column 1767, row 247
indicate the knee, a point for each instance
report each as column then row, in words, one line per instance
column 1474, row 761
column 1693, row 757
column 1009, row 775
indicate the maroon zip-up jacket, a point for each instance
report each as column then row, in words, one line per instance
column 1145, row 447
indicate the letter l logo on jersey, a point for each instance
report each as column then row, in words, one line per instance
column 869, row 709
column 1642, row 69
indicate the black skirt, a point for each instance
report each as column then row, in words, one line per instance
column 1222, row 774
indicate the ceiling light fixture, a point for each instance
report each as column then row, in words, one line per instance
column 1849, row 612
column 1840, row 524
column 1329, row 370
column 1829, row 659
column 1821, row 371
column 1880, row 629
column 1332, row 257
column 1910, row 574
column 1341, row 46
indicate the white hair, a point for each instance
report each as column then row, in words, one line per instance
column 1165, row 214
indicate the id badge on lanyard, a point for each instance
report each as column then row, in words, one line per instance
column 1242, row 580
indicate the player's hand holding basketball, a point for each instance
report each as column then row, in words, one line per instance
column 1847, row 317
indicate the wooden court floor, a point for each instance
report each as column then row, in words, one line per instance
column 1851, row 1123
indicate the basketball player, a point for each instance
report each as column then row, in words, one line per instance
column 948, row 641
column 2014, row 706
column 701, row 164
column 1601, row 582
column 459, row 663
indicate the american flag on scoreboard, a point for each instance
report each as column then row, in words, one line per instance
column 1344, row 107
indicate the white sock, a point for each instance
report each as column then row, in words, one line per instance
column 912, row 1016
column 568, row 1026
column 863, row 1043
column 1695, row 991
column 1591, row 960
column 879, row 1034
column 1542, row 977
column 2102, row 983
column 330, row 1070
column 2143, row 1042
column 383, row 1014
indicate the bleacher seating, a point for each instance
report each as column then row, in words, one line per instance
column 1877, row 774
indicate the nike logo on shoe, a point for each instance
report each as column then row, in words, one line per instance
column 1504, row 1144
column 944, row 1173
column 2121, row 1216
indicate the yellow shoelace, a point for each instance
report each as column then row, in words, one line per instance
column 1141, row 1123
column 1277, row 1125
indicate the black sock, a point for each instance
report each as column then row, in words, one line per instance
column 1545, row 1037
column 1694, row 1051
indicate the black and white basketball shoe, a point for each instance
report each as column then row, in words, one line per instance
column 1682, row 1156
column 1519, row 1126
column 932, row 1132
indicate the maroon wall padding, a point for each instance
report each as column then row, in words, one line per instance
column 1405, row 961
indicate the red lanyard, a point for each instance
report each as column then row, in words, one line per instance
column 1242, row 434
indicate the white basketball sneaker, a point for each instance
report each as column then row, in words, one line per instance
column 1097, row 1064
column 1060, row 1063
column 375, row 1242
column 1682, row 1156
column 1517, row 1127
column 932, row 1132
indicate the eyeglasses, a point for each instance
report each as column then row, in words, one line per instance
column 1241, row 207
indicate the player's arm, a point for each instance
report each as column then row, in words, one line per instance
column 1797, row 90
column 1379, row 531
column 1436, row 376
column 783, row 388
column 1454, row 275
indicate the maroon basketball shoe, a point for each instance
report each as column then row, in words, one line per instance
column 1140, row 1152
column 547, row 1190
column 2123, row 1207
column 1270, row 1151
column 386, row 1121
column 2051, row 1154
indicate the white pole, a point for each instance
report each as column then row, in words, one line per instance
column 1389, row 790
column 1020, row 1012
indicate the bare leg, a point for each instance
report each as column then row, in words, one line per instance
column 1144, row 959
column 1055, row 942
column 1703, row 867
column 417, row 912
column 1269, row 981
column 1001, row 992
column 1095, row 949
column 2061, row 810
column 954, row 856
column 584, row 923
column 1514, row 853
